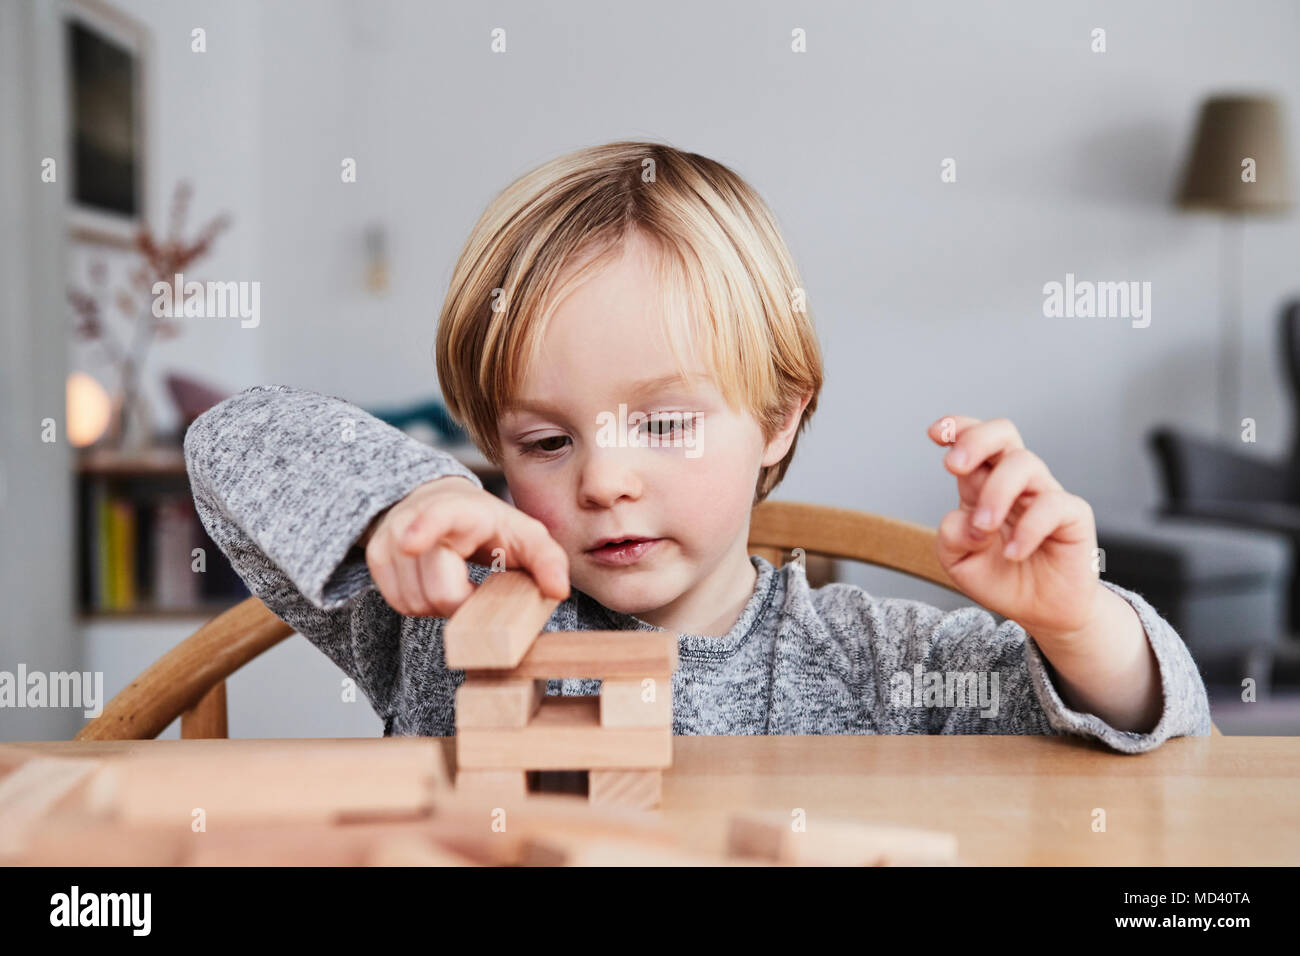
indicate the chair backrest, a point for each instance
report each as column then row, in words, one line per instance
column 778, row 529
column 189, row 680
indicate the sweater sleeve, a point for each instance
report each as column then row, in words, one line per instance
column 1186, row 706
column 285, row 480
column 963, row 672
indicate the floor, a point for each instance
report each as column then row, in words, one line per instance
column 1275, row 711
column 1274, row 715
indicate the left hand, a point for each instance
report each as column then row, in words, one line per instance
column 1049, row 585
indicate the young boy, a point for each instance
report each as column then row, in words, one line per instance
column 625, row 336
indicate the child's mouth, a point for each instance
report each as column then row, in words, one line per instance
column 620, row 553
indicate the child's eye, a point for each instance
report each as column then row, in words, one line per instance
column 542, row 447
column 669, row 425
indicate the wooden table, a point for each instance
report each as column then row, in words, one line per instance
column 1194, row 801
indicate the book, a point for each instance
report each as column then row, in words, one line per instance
column 175, row 584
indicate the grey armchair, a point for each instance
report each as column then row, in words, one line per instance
column 1217, row 482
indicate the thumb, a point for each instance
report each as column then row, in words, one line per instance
column 956, row 539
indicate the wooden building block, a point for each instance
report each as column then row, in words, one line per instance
column 299, row 844
column 497, row 623
column 82, row 841
column 565, row 735
column 34, row 788
column 640, row 789
column 502, row 783
column 830, row 842
column 403, row 852
column 312, row 781
column 647, row 702
column 79, row 840
column 603, row 655
column 553, row 851
column 494, row 702
column 486, row 831
column 11, row 757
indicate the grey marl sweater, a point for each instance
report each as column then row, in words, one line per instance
column 285, row 480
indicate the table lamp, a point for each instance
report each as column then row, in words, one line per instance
column 1238, row 166
column 88, row 410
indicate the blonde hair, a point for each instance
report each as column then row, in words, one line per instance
column 731, row 292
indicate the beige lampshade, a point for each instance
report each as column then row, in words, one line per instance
column 1230, row 130
column 88, row 410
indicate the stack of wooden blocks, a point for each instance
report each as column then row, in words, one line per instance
column 390, row 801
column 506, row 725
column 361, row 802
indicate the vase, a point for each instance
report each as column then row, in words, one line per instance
column 132, row 429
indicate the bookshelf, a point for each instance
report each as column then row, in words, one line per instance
column 137, row 529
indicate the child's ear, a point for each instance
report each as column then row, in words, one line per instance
column 781, row 441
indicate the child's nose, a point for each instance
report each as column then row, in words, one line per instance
column 609, row 474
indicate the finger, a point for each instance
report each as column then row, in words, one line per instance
column 379, row 560
column 957, row 540
column 445, row 580
column 466, row 531
column 533, row 548
column 948, row 429
column 461, row 529
column 1057, row 514
column 980, row 443
column 1018, row 472
column 969, row 486
column 407, row 569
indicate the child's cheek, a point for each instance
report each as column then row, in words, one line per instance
column 537, row 504
column 711, row 498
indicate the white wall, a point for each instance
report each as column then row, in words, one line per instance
column 36, row 626
column 927, row 296
column 201, row 125
column 292, row 690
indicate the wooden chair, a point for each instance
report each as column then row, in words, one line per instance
column 189, row 681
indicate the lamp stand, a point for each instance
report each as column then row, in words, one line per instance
column 1230, row 328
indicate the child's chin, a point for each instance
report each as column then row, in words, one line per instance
column 627, row 596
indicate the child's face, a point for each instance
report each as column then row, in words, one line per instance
column 694, row 496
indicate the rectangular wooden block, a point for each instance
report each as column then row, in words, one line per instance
column 34, row 788
column 647, row 702
column 299, row 844
column 79, row 840
column 549, row 851
column 638, row 789
column 402, row 852
column 497, row 623
column 467, row 825
column 496, row 702
column 565, row 735
column 493, row 783
column 309, row 781
column 11, row 757
column 317, row 844
column 602, row 655
column 825, row 842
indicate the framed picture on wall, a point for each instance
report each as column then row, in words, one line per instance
column 107, row 55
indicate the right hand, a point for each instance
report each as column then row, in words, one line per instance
column 416, row 550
